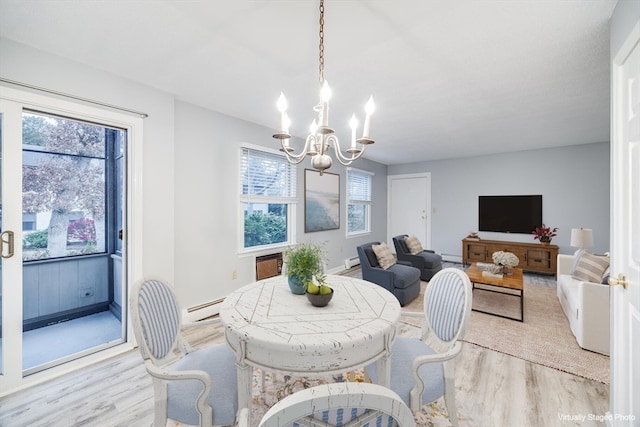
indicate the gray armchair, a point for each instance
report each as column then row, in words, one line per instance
column 401, row 279
column 427, row 261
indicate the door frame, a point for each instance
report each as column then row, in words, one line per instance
column 12, row 378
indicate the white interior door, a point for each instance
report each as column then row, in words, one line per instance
column 409, row 202
column 625, row 232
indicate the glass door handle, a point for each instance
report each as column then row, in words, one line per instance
column 6, row 238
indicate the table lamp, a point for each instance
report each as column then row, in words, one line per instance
column 581, row 238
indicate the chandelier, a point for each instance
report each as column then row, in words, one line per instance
column 321, row 137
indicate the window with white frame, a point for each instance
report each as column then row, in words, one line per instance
column 358, row 201
column 268, row 197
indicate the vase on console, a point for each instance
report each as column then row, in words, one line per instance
column 545, row 240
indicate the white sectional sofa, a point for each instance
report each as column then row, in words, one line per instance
column 586, row 305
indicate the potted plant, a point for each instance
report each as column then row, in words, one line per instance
column 303, row 262
column 544, row 234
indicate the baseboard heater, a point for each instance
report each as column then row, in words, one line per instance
column 202, row 311
column 451, row 258
column 351, row 262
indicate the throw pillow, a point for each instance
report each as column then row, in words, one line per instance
column 413, row 244
column 384, row 255
column 576, row 260
column 590, row 267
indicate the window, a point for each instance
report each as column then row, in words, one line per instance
column 358, row 201
column 268, row 197
column 66, row 177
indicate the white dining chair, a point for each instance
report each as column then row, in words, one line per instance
column 200, row 388
column 423, row 370
column 346, row 404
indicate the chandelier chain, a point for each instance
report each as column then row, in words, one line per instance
column 321, row 137
column 321, row 47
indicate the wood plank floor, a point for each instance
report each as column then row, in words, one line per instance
column 493, row 389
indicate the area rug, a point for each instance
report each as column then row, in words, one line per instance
column 278, row 386
column 543, row 338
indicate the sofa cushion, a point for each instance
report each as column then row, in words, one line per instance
column 431, row 260
column 384, row 255
column 404, row 276
column 413, row 244
column 590, row 267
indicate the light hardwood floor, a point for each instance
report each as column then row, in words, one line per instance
column 493, row 389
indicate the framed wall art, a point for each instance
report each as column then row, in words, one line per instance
column 321, row 201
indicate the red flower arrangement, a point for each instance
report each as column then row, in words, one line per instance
column 544, row 233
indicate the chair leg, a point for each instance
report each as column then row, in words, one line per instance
column 160, row 403
column 450, row 400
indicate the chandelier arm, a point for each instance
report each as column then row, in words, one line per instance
column 298, row 158
column 344, row 160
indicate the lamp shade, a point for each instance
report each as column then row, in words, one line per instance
column 581, row 237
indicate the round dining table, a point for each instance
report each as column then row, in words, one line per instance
column 270, row 328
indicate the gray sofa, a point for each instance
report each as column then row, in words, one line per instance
column 401, row 279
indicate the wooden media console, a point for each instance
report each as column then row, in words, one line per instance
column 533, row 256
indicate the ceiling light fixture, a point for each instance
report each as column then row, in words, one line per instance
column 321, row 136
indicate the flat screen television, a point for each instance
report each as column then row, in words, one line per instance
column 509, row 214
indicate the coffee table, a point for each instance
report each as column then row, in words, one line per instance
column 513, row 282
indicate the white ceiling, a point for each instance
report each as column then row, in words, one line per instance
column 451, row 78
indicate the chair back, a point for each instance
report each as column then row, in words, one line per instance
column 156, row 319
column 401, row 246
column 367, row 256
column 447, row 305
column 346, row 404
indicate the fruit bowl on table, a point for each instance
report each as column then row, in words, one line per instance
column 319, row 299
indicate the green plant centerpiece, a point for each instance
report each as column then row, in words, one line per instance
column 304, row 262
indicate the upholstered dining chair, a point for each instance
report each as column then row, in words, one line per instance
column 346, row 404
column 423, row 370
column 200, row 387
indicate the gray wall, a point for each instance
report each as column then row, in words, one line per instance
column 207, row 211
column 574, row 183
column 625, row 16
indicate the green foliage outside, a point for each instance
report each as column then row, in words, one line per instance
column 36, row 240
column 264, row 229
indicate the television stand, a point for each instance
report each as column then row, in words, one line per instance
column 533, row 256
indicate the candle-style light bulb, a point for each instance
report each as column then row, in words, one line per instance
column 325, row 95
column 354, row 126
column 313, row 127
column 282, row 107
column 369, row 109
column 286, row 122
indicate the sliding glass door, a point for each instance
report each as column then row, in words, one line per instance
column 63, row 211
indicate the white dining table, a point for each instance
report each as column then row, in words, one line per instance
column 270, row 328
